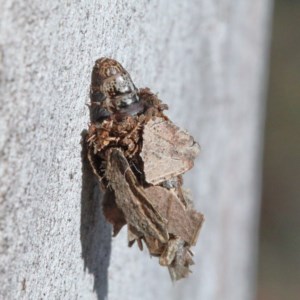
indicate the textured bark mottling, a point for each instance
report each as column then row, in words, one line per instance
column 207, row 60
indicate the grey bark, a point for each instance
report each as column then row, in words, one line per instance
column 206, row 59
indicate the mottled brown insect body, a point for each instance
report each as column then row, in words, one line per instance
column 139, row 157
column 112, row 86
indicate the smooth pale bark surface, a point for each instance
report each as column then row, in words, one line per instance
column 206, row 59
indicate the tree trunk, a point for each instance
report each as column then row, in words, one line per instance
column 207, row 61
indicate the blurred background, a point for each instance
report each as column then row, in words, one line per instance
column 279, row 259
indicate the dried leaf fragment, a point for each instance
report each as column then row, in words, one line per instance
column 183, row 222
column 168, row 151
column 131, row 198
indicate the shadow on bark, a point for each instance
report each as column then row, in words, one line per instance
column 95, row 232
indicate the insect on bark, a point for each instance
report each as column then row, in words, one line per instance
column 139, row 156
